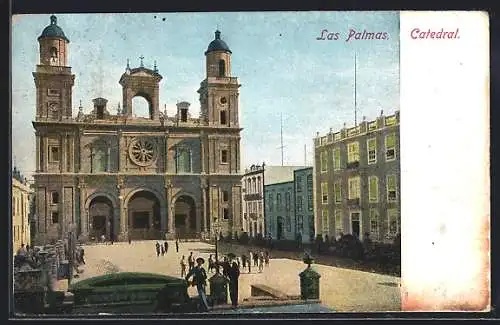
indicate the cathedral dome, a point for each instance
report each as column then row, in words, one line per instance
column 217, row 44
column 53, row 30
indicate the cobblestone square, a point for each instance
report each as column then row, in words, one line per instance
column 342, row 290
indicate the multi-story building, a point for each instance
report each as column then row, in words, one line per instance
column 135, row 177
column 304, row 203
column 253, row 182
column 280, row 211
column 357, row 180
column 21, row 195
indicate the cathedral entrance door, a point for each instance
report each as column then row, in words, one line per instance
column 185, row 217
column 101, row 218
column 144, row 216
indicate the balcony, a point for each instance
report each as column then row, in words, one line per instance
column 353, row 201
column 253, row 216
column 353, row 165
column 253, row 197
column 52, row 69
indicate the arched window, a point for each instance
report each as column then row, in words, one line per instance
column 222, row 68
column 183, row 160
column 99, row 159
column 53, row 55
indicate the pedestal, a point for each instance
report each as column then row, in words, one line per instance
column 309, row 284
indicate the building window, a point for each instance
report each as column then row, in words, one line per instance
column 354, row 188
column 225, row 196
column 371, row 144
column 53, row 55
column 223, row 156
column 299, row 203
column 184, row 114
column 391, row 188
column 99, row 160
column 288, row 223
column 55, row 217
column 259, row 185
column 336, row 158
column 222, row 68
column 300, row 224
column 339, row 227
column 394, row 222
column 324, row 221
column 53, row 92
column 373, row 188
column 390, row 147
column 338, row 192
column 298, row 183
column 223, row 120
column 55, row 197
column 100, row 112
column 54, row 154
column 287, row 201
column 260, row 208
column 183, row 158
column 324, row 193
column 14, row 206
column 271, row 202
column 225, row 213
column 309, row 182
column 279, row 202
column 310, row 203
column 374, row 226
column 324, row 161
column 353, row 152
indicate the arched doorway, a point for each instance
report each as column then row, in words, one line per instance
column 101, row 218
column 185, row 217
column 144, row 216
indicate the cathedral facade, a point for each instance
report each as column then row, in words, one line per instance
column 124, row 177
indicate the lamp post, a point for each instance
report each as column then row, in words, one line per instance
column 216, row 230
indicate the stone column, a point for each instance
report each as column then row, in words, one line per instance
column 123, row 211
column 163, row 218
column 63, row 154
column 38, row 153
column 45, row 148
column 83, row 215
column 204, row 206
column 202, row 149
column 170, row 209
column 72, row 154
column 198, row 218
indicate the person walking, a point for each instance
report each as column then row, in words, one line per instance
column 250, row 262
column 157, row 249
column 191, row 261
column 234, row 274
column 165, row 245
column 256, row 258
column 266, row 258
column 261, row 262
column 244, row 261
column 177, row 245
column 199, row 280
column 162, row 250
column 183, row 266
column 211, row 264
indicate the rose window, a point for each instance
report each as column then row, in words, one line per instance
column 142, row 152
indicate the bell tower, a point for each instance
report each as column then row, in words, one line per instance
column 219, row 91
column 53, row 78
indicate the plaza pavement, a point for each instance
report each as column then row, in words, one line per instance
column 342, row 290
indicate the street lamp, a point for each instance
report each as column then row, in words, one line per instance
column 216, row 230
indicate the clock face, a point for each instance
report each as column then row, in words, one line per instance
column 223, row 100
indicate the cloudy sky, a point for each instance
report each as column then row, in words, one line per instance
column 281, row 65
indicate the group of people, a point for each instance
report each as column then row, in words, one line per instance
column 230, row 270
column 163, row 248
column 258, row 259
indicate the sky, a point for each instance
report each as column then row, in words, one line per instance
column 282, row 66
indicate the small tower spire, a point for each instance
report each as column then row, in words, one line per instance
column 53, row 20
column 118, row 109
column 127, row 69
column 142, row 62
column 80, row 108
column 217, row 34
column 155, row 68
